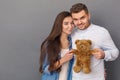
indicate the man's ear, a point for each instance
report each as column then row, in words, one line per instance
column 89, row 41
column 89, row 16
column 76, row 41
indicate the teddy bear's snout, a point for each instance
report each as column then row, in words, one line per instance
column 83, row 47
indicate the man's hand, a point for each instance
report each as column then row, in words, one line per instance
column 98, row 53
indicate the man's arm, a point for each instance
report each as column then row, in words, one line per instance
column 108, row 50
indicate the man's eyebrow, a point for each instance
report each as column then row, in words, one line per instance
column 75, row 18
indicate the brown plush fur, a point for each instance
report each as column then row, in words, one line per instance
column 83, row 56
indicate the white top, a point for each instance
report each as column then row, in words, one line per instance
column 63, row 72
column 100, row 38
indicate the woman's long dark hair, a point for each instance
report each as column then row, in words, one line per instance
column 51, row 45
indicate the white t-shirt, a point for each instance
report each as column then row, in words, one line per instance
column 100, row 38
column 63, row 72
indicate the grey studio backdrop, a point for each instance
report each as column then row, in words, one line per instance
column 24, row 24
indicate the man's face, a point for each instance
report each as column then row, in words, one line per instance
column 81, row 19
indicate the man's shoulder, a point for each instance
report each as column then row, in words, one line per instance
column 99, row 28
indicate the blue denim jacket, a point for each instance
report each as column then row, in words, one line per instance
column 46, row 75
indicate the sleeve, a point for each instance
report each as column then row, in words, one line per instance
column 46, row 66
column 111, row 51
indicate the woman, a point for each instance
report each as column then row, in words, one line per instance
column 56, row 57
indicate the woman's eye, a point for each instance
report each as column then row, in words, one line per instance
column 65, row 23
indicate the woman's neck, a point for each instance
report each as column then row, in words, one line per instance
column 64, row 41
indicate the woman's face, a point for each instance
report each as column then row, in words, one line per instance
column 67, row 25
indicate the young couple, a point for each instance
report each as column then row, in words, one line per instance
column 56, row 59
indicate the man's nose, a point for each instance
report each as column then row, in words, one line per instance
column 79, row 21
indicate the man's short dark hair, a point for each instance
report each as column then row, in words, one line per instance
column 78, row 7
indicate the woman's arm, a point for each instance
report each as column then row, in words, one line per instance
column 67, row 57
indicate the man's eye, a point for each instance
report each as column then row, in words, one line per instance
column 83, row 17
column 75, row 19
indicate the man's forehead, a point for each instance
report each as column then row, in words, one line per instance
column 79, row 14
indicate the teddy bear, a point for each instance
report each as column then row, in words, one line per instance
column 83, row 54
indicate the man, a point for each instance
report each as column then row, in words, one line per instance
column 101, row 41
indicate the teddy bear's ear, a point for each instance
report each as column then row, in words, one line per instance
column 76, row 41
column 89, row 42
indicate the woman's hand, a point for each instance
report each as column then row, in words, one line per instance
column 67, row 57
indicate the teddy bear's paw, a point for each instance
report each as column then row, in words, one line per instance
column 77, row 69
column 86, row 70
column 73, row 51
